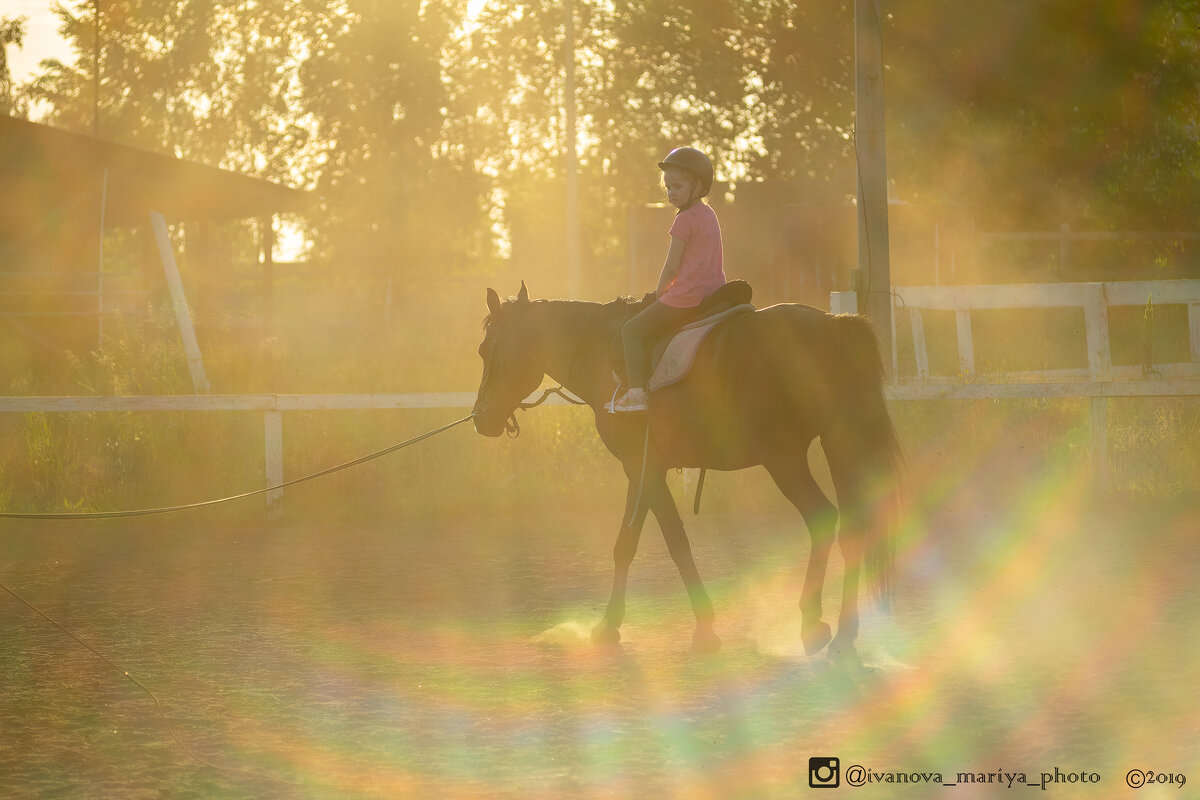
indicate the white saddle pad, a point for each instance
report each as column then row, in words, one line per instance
column 676, row 361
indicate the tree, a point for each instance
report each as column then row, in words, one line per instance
column 1058, row 109
column 204, row 79
column 726, row 76
column 345, row 98
column 12, row 32
column 401, row 197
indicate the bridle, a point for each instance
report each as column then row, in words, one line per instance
column 512, row 428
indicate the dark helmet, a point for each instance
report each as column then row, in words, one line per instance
column 695, row 162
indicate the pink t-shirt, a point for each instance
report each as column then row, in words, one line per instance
column 702, row 271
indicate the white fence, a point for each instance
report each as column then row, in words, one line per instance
column 1099, row 381
column 1093, row 298
column 272, row 406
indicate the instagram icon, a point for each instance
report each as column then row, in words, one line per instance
column 824, row 772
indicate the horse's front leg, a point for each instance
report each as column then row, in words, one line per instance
column 658, row 496
column 608, row 631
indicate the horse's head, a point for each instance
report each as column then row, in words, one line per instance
column 511, row 370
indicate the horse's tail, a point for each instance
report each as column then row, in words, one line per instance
column 868, row 464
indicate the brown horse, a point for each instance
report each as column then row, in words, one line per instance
column 762, row 387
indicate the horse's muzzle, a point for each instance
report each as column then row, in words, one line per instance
column 487, row 424
column 488, row 428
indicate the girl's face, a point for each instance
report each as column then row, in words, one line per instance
column 681, row 186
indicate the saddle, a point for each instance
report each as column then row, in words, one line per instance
column 672, row 354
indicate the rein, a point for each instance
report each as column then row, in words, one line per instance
column 513, row 429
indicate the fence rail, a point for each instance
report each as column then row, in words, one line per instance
column 1095, row 384
column 1093, row 298
column 1098, row 382
column 271, row 405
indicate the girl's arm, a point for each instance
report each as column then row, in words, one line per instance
column 671, row 266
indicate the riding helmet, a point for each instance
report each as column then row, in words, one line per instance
column 695, row 162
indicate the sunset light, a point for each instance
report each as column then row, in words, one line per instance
column 599, row 398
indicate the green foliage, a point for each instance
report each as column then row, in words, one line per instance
column 1092, row 103
column 436, row 136
column 400, row 196
column 12, row 32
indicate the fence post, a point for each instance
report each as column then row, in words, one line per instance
column 1095, row 315
column 966, row 344
column 918, row 334
column 273, row 440
column 1194, row 329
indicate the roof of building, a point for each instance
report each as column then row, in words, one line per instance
column 49, row 172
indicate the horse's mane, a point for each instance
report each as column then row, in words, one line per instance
column 627, row 305
column 617, row 310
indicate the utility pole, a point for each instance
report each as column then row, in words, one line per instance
column 574, row 254
column 875, row 282
column 96, row 72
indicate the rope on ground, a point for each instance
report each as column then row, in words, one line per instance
column 144, row 512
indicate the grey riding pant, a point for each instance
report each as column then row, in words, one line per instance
column 636, row 334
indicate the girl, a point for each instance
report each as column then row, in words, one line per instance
column 694, row 268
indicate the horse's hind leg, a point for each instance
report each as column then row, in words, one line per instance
column 796, row 482
column 608, row 631
column 845, row 463
column 658, row 495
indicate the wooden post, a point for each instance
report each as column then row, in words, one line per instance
column 182, row 315
column 100, row 256
column 273, row 441
column 966, row 344
column 1099, row 362
column 1095, row 315
column 870, row 151
column 1194, row 329
column 574, row 246
column 918, row 334
column 895, row 346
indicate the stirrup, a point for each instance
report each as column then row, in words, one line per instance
column 624, row 405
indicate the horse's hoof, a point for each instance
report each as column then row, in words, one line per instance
column 816, row 637
column 843, row 653
column 605, row 635
column 704, row 642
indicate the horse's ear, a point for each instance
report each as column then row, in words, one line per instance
column 493, row 301
column 523, row 295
